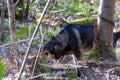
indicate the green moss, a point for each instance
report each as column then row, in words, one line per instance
column 92, row 54
column 84, row 20
column 102, row 53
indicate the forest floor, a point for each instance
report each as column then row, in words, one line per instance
column 66, row 70
column 60, row 70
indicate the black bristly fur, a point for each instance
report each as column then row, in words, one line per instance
column 69, row 40
column 116, row 36
column 76, row 38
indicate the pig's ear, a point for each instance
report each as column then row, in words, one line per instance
column 63, row 37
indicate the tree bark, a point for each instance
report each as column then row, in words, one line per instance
column 105, row 30
column 2, row 21
column 12, row 25
column 106, row 22
column 27, row 9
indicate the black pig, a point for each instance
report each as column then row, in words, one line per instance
column 75, row 38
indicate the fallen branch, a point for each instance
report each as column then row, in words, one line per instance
column 84, row 21
column 8, row 44
column 53, row 12
column 107, row 64
column 34, row 77
column 41, row 75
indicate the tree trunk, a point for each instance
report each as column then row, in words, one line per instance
column 12, row 25
column 27, row 9
column 106, row 22
column 2, row 21
column 104, row 49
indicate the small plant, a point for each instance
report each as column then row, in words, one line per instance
column 72, row 75
column 45, row 68
column 25, row 31
column 1, row 70
column 22, row 32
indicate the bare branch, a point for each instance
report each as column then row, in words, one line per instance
column 40, row 47
column 8, row 44
column 31, row 41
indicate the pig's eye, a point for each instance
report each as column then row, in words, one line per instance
column 47, row 52
column 57, row 47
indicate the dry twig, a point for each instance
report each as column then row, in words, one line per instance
column 40, row 47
